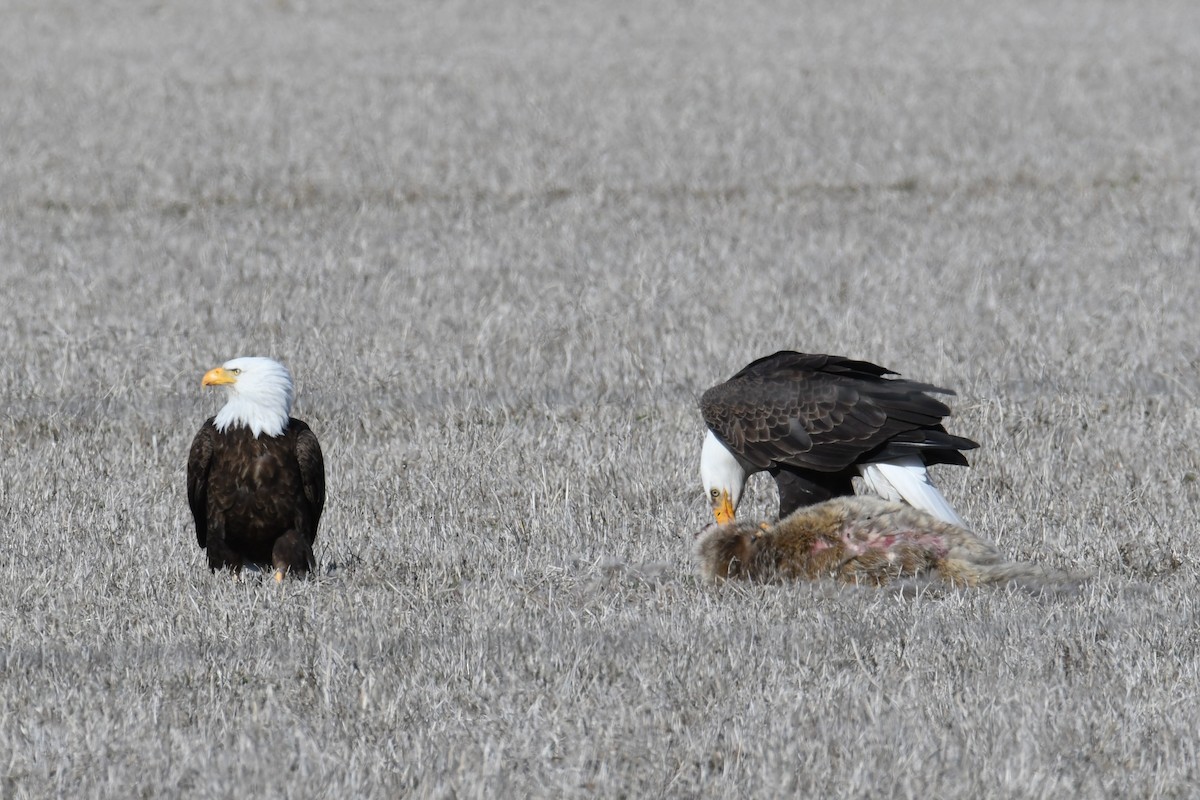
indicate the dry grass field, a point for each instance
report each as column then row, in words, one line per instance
column 503, row 248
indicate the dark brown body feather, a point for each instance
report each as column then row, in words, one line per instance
column 257, row 500
column 861, row 540
column 810, row 420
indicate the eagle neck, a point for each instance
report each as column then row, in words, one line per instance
column 241, row 412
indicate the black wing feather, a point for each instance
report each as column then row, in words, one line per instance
column 312, row 470
column 827, row 413
column 199, row 458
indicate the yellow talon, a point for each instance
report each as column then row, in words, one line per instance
column 279, row 576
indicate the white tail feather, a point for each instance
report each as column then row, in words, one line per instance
column 906, row 480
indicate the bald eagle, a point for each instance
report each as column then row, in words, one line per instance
column 863, row 540
column 814, row 422
column 256, row 477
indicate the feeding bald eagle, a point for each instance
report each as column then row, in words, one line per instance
column 814, row 422
column 256, row 477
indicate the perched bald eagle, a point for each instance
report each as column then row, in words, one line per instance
column 814, row 422
column 863, row 540
column 256, row 477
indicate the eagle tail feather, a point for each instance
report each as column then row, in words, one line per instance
column 906, row 480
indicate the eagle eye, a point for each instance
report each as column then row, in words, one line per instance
column 715, row 493
column 235, row 371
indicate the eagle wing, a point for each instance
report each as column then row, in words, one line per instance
column 824, row 413
column 197, row 478
column 312, row 470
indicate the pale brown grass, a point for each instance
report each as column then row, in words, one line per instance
column 503, row 251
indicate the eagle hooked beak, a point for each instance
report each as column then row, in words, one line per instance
column 722, row 507
column 218, row 376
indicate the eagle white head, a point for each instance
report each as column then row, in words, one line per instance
column 260, row 394
column 723, row 478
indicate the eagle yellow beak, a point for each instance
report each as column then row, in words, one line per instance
column 218, row 376
column 723, row 508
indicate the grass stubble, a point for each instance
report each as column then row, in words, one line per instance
column 503, row 253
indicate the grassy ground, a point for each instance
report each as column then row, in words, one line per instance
column 504, row 250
